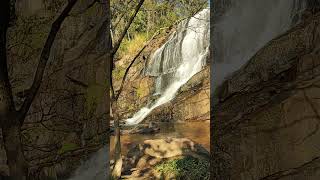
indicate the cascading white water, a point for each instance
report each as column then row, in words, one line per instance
column 245, row 27
column 181, row 57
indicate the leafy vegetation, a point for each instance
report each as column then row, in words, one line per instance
column 153, row 16
column 187, row 168
column 132, row 46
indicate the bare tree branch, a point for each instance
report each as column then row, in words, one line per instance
column 124, row 32
column 132, row 62
column 44, row 57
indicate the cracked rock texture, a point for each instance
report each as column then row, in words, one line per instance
column 67, row 119
column 266, row 116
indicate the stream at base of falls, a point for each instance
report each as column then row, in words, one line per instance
column 197, row 131
column 185, row 54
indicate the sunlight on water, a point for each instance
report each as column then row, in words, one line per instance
column 183, row 55
column 198, row 132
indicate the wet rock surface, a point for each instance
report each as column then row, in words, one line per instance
column 150, row 128
column 192, row 102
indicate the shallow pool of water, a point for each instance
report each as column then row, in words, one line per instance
column 198, row 132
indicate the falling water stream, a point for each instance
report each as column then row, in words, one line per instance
column 181, row 57
column 244, row 28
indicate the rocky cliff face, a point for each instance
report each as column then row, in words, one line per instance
column 190, row 104
column 170, row 81
column 67, row 120
column 266, row 115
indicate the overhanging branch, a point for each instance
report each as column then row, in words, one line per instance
column 124, row 32
column 132, row 62
column 44, row 57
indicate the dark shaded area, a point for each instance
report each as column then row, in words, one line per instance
column 241, row 128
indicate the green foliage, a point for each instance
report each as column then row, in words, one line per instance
column 187, row 168
column 132, row 46
column 153, row 15
column 67, row 147
column 139, row 24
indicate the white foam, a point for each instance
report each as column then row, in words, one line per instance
column 183, row 55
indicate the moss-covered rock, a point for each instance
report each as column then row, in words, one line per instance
column 171, row 157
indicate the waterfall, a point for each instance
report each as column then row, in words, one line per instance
column 245, row 27
column 181, row 57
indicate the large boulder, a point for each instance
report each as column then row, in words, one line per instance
column 142, row 159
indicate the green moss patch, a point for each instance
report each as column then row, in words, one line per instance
column 187, row 168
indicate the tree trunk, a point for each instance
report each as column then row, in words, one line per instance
column 6, row 100
column 12, row 143
column 116, row 171
column 9, row 122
